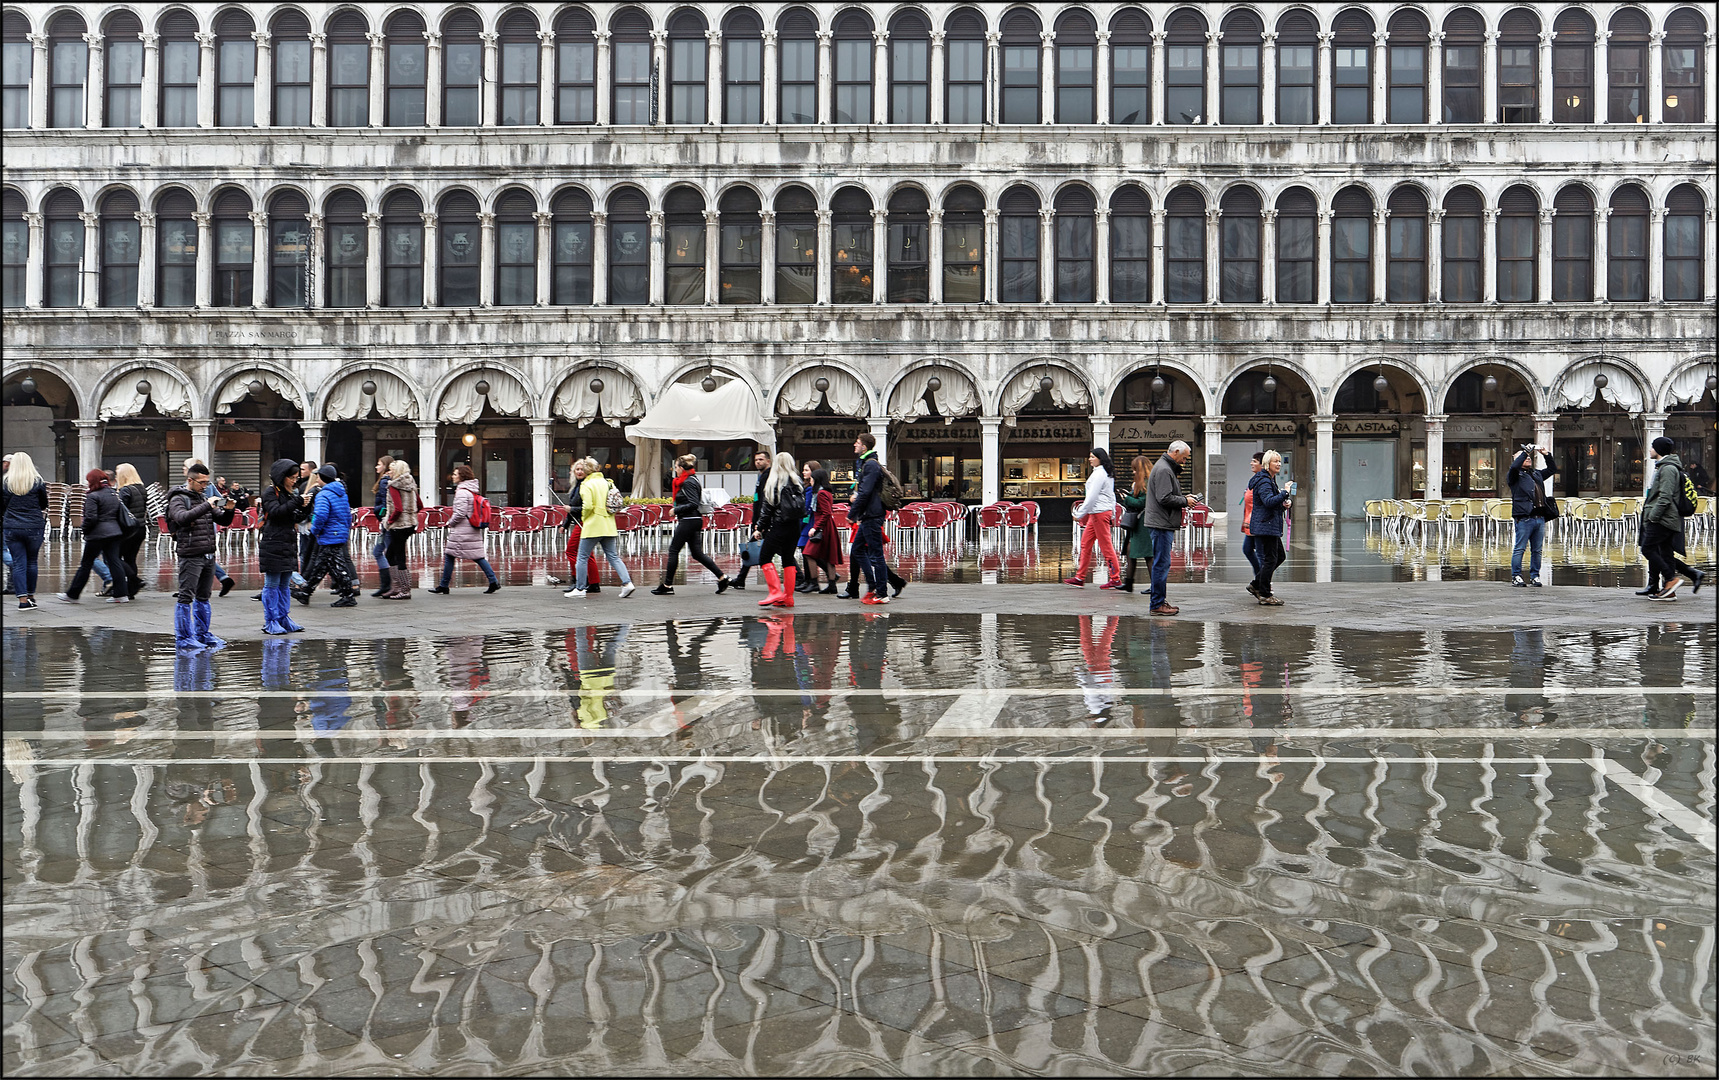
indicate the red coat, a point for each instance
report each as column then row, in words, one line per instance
column 827, row 548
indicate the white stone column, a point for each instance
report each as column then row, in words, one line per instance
column 1047, row 77
column 1101, row 256
column 1708, row 287
column 89, row 267
column 1435, row 456
column 1101, row 79
column 1214, row 426
column 33, row 261
column 605, row 78
column 1322, row 270
column 432, row 261
column 373, row 260
column 713, row 77
column 990, row 460
column 313, row 431
column 203, row 441
column 1545, row 432
column 879, row 427
column 1655, row 249
column 826, row 79
column 1381, row 215
column 1157, row 104
column 1489, row 79
column 542, row 460
column 1653, row 427
column 880, row 77
column 1268, row 256
column 1489, row 257
column 491, row 95
column 432, row 79
column 149, row 111
column 145, row 259
column 378, row 79
column 879, row 256
column 262, row 104
column 658, row 251
column 1268, row 78
column 205, row 259
column 712, row 255
column 95, row 84
column 313, row 260
column 826, row 266
column 1435, row 256
column 38, row 81
column 1324, row 517
column 486, row 260
column 545, row 78
column 1047, row 255
column 934, row 256
column 1380, row 74
column 1603, row 76
column 1322, row 89
column 1708, row 81
column 599, row 257
column 1543, row 76
column 938, row 91
column 1158, row 263
column 1435, row 77
column 1214, row 74
column 545, row 254
column 1214, row 264
column 259, row 259
column 993, row 77
column 659, row 64
column 89, row 445
column 1656, row 78
column 772, row 80
column 992, row 269
column 1101, row 429
column 767, row 257
column 318, row 80
column 1602, row 254
column 1543, row 257
column 205, row 80
column 428, row 482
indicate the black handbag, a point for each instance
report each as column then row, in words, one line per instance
column 1130, row 518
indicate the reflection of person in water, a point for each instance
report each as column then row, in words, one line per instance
column 1528, row 671
column 467, row 671
column 595, row 666
column 778, row 645
column 687, row 662
column 1096, row 675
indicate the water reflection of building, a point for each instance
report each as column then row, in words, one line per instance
column 846, row 210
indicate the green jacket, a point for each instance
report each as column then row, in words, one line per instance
column 1660, row 508
column 1139, row 540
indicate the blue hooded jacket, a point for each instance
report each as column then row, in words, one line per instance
column 331, row 520
column 1267, row 519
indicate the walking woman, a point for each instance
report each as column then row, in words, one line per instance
column 465, row 540
column 1095, row 515
column 277, row 547
column 1137, row 538
column 821, row 542
column 688, row 527
column 599, row 530
column 575, row 526
column 101, row 537
column 398, row 524
column 379, row 550
column 808, row 576
column 776, row 522
column 1266, row 526
column 24, row 497
column 131, row 493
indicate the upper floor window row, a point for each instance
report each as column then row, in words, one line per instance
column 980, row 66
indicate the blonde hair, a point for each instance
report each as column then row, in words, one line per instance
column 22, row 476
column 399, row 470
column 591, row 466
column 1270, row 456
column 126, row 475
column 781, row 472
column 686, row 461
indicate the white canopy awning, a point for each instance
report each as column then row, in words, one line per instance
column 1066, row 390
column 1577, row 388
column 1689, row 386
column 800, row 395
column 618, row 402
column 239, row 385
column 393, row 399
column 462, row 404
column 122, row 398
column 729, row 413
column 956, row 396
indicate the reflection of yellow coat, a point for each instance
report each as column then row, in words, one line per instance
column 593, row 689
column 594, row 512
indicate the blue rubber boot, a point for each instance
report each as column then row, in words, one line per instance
column 185, row 629
column 204, row 614
column 275, row 603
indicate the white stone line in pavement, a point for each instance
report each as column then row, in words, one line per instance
column 1657, row 801
column 953, row 691
column 662, row 724
column 13, row 758
column 940, row 731
column 974, row 709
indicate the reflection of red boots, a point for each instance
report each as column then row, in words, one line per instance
column 774, row 581
column 772, row 638
column 788, row 645
column 788, row 575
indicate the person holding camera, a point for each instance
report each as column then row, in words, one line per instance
column 1529, row 471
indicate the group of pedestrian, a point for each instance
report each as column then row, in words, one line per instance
column 1152, row 510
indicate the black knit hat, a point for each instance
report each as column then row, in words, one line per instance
column 1664, row 445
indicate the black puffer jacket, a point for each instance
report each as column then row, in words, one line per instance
column 193, row 519
column 781, row 518
column 689, row 498
column 137, row 501
column 101, row 514
column 277, row 548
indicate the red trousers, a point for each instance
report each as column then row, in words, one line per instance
column 1095, row 529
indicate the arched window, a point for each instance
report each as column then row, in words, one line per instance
column 68, row 68
column 123, row 86
column 743, row 69
column 741, row 256
column 460, row 255
column 348, row 71
column 289, row 250
column 687, row 48
column 851, row 260
column 462, row 70
column 1072, row 245
column 1021, row 45
column 1573, row 246
column 1297, row 68
column 1130, row 67
column 121, row 249
column 797, row 48
column 629, row 248
column 408, row 70
column 14, row 248
column 575, row 69
column 683, row 218
column 1019, row 225
column 853, row 68
column 1573, row 68
column 1462, row 247
column 63, row 250
column 402, row 251
column 1297, row 246
column 1185, row 70
column 1626, row 245
column 1130, row 246
column 1408, row 68
column 1352, row 247
column 17, row 66
column 573, row 278
column 1518, row 241
column 1626, row 68
column 519, row 52
column 1464, row 38
column 964, row 68
column 1185, row 247
column 346, row 249
column 796, row 246
column 180, row 64
column 1352, row 69
column 1685, row 89
column 175, row 250
column 1238, row 280
column 909, row 256
column 235, row 71
column 631, row 58
column 1406, row 247
column 963, row 246
column 235, row 248
column 1519, row 68
column 516, row 248
column 1685, row 211
column 1076, row 68
column 291, row 50
column 1243, row 36
column 909, row 69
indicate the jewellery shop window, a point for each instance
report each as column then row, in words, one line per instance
column 1044, row 477
column 1418, row 470
column 929, row 476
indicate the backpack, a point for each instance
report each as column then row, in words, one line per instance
column 1685, row 494
column 615, row 500
column 889, row 491
column 483, row 514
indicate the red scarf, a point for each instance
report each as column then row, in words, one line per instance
column 674, row 487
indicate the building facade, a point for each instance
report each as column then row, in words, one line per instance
column 1391, row 240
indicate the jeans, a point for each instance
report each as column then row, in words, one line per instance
column 196, row 578
column 1269, row 551
column 1528, row 531
column 448, row 571
column 1095, row 529
column 107, row 549
column 21, row 551
column 1250, row 552
column 379, row 551
column 611, row 551
column 1162, row 539
column 867, row 554
column 688, row 533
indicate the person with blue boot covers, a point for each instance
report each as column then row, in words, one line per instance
column 331, row 527
column 277, row 548
column 192, row 518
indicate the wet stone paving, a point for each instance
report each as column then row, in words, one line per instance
column 921, row 842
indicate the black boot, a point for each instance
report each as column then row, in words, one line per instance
column 1128, row 576
column 387, row 583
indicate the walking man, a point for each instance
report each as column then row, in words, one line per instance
column 867, row 503
column 1163, row 515
column 192, row 519
column 749, row 553
column 1527, row 482
column 331, row 529
column 1662, row 523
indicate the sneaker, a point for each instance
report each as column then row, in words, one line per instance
column 874, row 599
column 1270, row 601
column 576, row 594
column 1668, row 595
column 627, row 590
column 1649, row 591
column 345, row 601
column 119, row 599
column 226, row 585
column 1253, row 592
column 1110, row 585
column 594, row 588
column 1519, row 582
column 723, row 584
column 665, row 590
column 1074, row 582
column 1166, row 609
column 27, row 604
column 65, row 599
column 1535, row 582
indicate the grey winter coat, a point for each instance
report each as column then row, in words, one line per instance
column 1164, row 499
column 193, row 519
